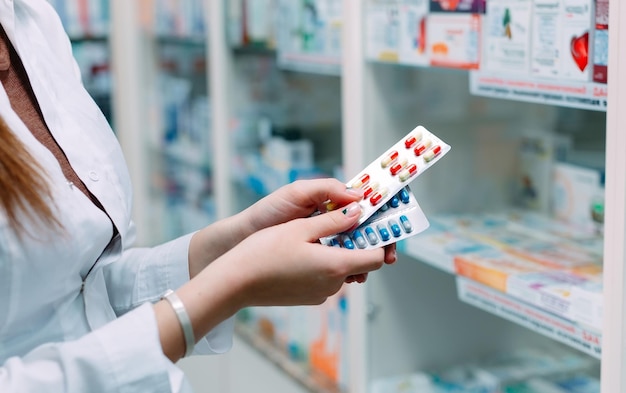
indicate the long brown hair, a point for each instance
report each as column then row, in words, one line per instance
column 23, row 187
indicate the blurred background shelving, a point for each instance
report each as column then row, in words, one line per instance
column 516, row 285
column 87, row 23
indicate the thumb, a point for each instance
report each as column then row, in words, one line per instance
column 334, row 221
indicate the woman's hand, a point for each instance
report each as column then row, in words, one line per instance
column 296, row 200
column 300, row 199
column 286, row 265
column 283, row 264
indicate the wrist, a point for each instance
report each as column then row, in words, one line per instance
column 214, row 295
column 183, row 319
column 211, row 242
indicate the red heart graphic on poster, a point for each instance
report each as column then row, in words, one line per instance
column 579, row 47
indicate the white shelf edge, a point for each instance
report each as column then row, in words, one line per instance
column 613, row 376
column 309, row 63
column 513, row 309
column 531, row 317
column 564, row 93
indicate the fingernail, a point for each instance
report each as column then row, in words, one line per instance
column 352, row 210
column 355, row 192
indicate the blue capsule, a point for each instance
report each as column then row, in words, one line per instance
column 406, row 224
column 395, row 228
column 394, row 201
column 371, row 236
column 334, row 242
column 359, row 239
column 384, row 233
column 347, row 242
column 404, row 196
column 384, row 207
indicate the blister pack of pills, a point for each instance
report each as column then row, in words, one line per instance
column 384, row 177
column 396, row 219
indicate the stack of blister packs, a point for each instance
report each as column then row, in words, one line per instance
column 389, row 210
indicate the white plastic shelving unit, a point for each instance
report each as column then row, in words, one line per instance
column 407, row 315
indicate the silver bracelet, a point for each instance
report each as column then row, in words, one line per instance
column 183, row 318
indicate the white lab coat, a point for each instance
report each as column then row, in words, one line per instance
column 55, row 337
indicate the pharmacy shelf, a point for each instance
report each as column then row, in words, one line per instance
column 189, row 41
column 564, row 93
column 573, row 94
column 577, row 336
column 370, row 104
column 311, row 380
column 529, row 316
column 103, row 39
column 310, row 63
column 569, row 312
column 254, row 50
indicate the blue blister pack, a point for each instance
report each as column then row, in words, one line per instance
column 399, row 218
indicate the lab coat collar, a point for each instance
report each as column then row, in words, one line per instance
column 7, row 18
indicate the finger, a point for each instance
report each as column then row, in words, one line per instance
column 326, row 194
column 353, row 262
column 391, row 255
column 334, row 222
column 360, row 278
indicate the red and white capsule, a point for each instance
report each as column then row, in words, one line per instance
column 397, row 167
column 408, row 172
column 422, row 147
column 378, row 196
column 412, row 139
column 391, row 157
column 369, row 189
column 361, row 181
column 432, row 153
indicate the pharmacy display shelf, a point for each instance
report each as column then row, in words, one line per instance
column 310, row 63
column 545, row 313
column 254, row 50
column 572, row 94
column 103, row 39
column 564, row 93
column 311, row 380
column 529, row 316
column 369, row 105
column 183, row 41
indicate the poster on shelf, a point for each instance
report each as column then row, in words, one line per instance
column 576, row 40
column 507, row 36
column 454, row 40
column 382, row 26
column 468, row 6
column 561, row 41
column 546, row 25
column 412, row 42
